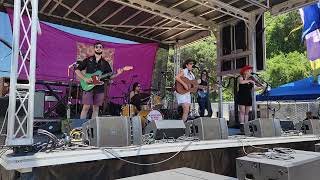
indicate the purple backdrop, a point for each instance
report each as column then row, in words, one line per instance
column 56, row 50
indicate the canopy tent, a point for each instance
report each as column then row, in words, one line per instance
column 166, row 22
column 304, row 89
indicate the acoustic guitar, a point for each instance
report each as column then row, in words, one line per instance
column 96, row 78
column 192, row 86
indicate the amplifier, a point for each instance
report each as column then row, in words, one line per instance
column 303, row 165
column 164, row 129
column 207, row 128
column 180, row 173
column 263, row 128
column 107, row 131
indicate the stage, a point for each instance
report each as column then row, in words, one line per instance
column 216, row 156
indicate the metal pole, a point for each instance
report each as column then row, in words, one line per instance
column 220, row 78
column 32, row 72
column 13, row 72
column 252, row 31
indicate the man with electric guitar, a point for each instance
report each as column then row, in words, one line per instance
column 97, row 70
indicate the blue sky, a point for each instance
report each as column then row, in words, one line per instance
column 6, row 34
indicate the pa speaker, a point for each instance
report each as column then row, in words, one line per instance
column 311, row 126
column 107, row 131
column 164, row 129
column 207, row 128
column 263, row 128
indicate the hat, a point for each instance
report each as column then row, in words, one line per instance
column 245, row 68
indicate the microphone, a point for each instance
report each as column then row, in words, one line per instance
column 196, row 67
column 255, row 73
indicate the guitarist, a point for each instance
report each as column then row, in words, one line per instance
column 95, row 97
column 185, row 99
column 203, row 94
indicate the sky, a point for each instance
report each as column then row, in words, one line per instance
column 6, row 34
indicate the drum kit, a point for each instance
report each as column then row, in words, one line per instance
column 149, row 110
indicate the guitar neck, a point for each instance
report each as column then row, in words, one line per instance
column 106, row 75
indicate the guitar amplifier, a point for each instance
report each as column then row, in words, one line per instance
column 207, row 128
column 165, row 129
column 107, row 131
column 263, row 128
column 303, row 165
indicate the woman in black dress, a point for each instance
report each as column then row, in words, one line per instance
column 246, row 85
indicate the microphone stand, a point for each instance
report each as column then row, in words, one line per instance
column 128, row 98
column 70, row 83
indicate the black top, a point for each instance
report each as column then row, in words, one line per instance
column 203, row 83
column 244, row 94
column 91, row 66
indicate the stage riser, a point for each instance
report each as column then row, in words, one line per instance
column 219, row 161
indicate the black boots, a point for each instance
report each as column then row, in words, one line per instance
column 241, row 129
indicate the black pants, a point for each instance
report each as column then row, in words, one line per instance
column 204, row 104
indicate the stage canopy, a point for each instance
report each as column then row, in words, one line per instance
column 304, row 89
column 166, row 22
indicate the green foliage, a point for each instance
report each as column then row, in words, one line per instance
column 285, row 68
column 278, row 37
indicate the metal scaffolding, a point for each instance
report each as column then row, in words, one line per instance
column 23, row 63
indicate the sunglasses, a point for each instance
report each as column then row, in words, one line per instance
column 98, row 47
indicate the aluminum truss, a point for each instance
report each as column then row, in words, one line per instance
column 20, row 127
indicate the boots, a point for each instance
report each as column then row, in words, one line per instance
column 241, row 129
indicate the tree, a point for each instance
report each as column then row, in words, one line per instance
column 284, row 68
column 278, row 36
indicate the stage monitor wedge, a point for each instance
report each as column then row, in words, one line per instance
column 263, row 127
column 206, row 128
column 166, row 129
column 112, row 131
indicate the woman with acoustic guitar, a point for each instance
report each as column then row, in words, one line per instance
column 184, row 99
column 246, row 86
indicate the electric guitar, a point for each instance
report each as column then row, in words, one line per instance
column 96, row 77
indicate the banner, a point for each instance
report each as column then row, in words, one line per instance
column 310, row 16
column 57, row 50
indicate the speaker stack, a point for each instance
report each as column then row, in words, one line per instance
column 206, row 128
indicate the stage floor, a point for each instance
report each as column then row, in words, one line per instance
column 26, row 163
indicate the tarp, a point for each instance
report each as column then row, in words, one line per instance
column 304, row 89
column 56, row 50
